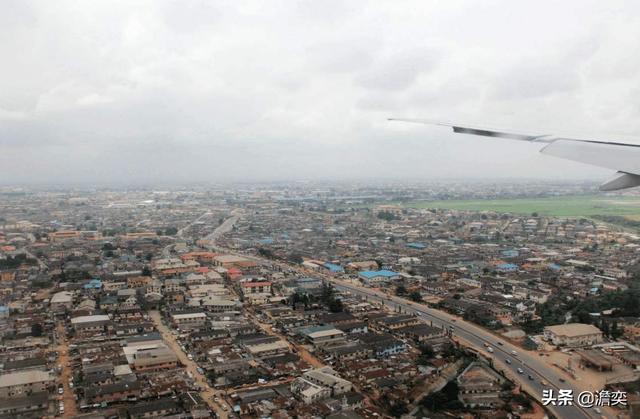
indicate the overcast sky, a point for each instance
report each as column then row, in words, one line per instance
column 137, row 91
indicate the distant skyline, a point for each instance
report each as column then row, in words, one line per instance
column 145, row 92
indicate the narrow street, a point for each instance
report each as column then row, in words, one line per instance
column 207, row 393
column 304, row 354
column 70, row 406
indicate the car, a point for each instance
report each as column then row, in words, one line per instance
column 530, row 377
column 562, row 380
column 224, row 407
column 60, row 389
column 216, row 399
column 489, row 349
column 544, row 383
column 514, row 353
column 597, row 410
column 500, row 343
column 486, row 345
column 520, row 371
column 508, row 361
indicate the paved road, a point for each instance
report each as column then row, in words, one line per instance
column 476, row 337
column 166, row 252
column 223, row 228
column 207, row 393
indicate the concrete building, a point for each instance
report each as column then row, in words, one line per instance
column 480, row 386
column 323, row 335
column 189, row 320
column 61, row 301
column 327, row 377
column 573, row 334
column 87, row 325
column 24, row 383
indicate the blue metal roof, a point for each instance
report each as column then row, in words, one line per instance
column 94, row 283
column 333, row 267
column 373, row 274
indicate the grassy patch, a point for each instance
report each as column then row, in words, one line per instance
column 566, row 206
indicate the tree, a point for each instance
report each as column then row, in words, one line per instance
column 415, row 296
column 266, row 253
column 427, row 353
column 36, row 330
column 615, row 330
column 335, row 306
column 401, row 290
column 296, row 258
column 146, row 271
column 398, row 409
column 108, row 246
column 387, row 216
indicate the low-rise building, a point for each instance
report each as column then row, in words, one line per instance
column 189, row 320
column 573, row 334
column 24, row 383
column 480, row 386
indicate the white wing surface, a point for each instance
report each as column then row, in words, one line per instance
column 623, row 157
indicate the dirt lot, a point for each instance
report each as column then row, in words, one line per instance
column 588, row 378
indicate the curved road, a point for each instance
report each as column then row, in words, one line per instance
column 477, row 337
column 474, row 336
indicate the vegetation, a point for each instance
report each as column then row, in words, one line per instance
column 426, row 354
column 624, row 303
column 401, row 290
column 563, row 206
column 36, row 330
column 13, row 262
column 445, row 399
column 329, row 299
column 415, row 296
column 387, row 216
column 266, row 253
column 395, row 408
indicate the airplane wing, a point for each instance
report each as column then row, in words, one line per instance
column 623, row 157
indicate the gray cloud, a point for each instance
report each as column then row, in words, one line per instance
column 201, row 91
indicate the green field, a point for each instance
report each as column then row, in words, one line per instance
column 565, row 206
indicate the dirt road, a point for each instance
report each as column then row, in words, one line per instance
column 70, row 407
column 207, row 393
column 304, row 354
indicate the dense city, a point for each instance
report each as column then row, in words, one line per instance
column 312, row 301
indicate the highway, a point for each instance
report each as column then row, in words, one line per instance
column 477, row 337
column 471, row 335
